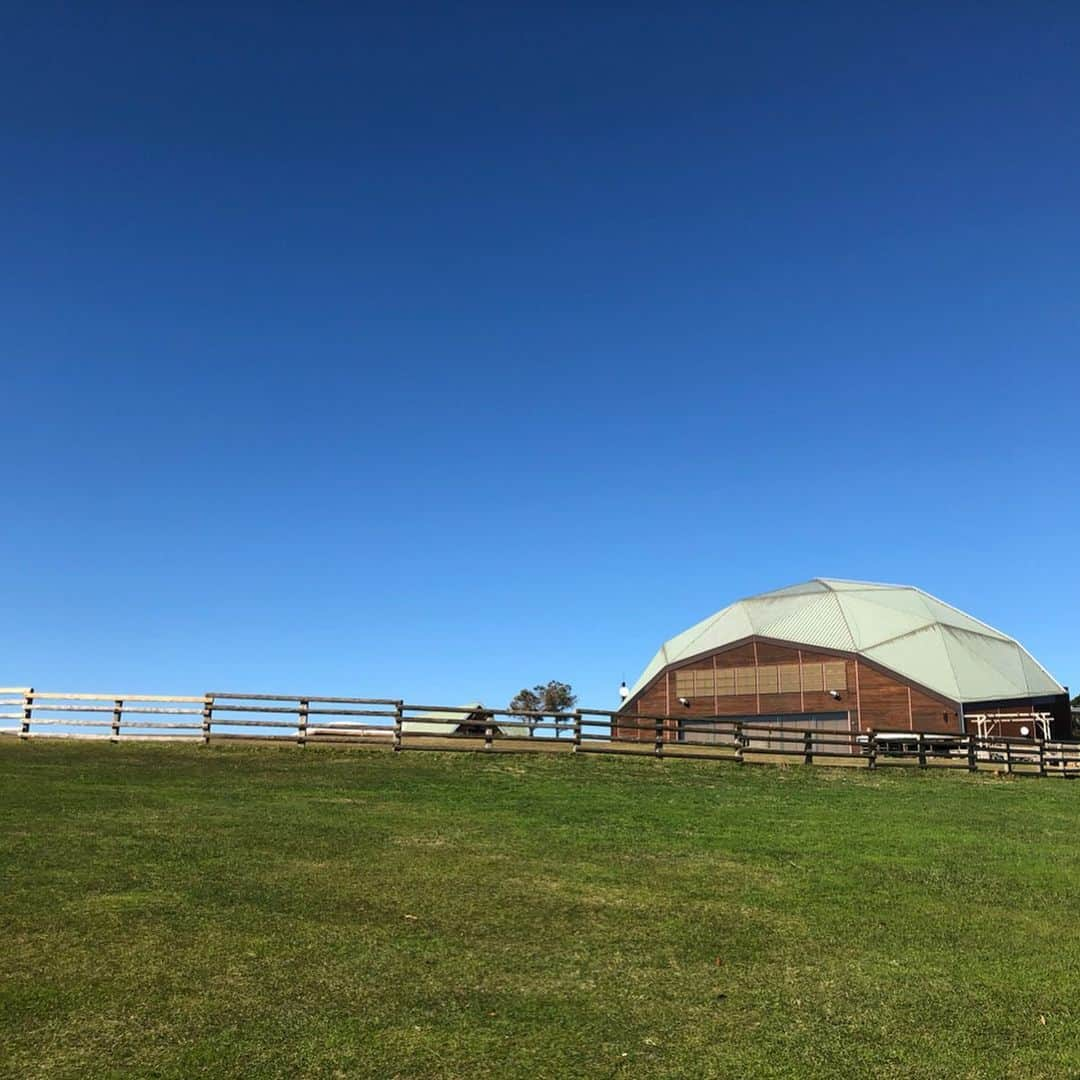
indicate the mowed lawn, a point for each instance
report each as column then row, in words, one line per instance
column 245, row 911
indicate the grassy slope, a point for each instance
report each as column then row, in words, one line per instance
column 264, row 911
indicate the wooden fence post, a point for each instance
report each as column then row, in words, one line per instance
column 738, row 741
column 972, row 752
column 922, row 750
column 1042, row 757
column 398, row 708
column 871, row 750
column 1008, row 757
column 489, row 732
column 207, row 719
column 658, row 738
column 28, row 711
column 577, row 731
column 118, row 709
column 301, row 727
column 808, row 748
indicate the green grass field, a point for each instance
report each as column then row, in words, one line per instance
column 175, row 911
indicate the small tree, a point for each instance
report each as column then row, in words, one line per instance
column 557, row 696
column 526, row 701
column 553, row 697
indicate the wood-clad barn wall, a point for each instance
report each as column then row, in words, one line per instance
column 759, row 678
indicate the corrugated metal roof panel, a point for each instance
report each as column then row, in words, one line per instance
column 1039, row 680
column 873, row 623
column 817, row 585
column 726, row 626
column 985, row 667
column 1001, row 659
column 819, row 621
column 768, row 610
column 921, row 657
column 950, row 616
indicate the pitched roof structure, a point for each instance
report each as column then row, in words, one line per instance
column 899, row 627
column 445, row 722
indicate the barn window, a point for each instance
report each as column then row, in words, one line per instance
column 725, row 682
column 745, row 680
column 789, row 678
column 767, row 681
column 694, row 683
column 836, row 675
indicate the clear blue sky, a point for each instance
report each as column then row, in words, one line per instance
column 437, row 355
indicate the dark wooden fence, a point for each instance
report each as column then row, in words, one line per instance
column 26, row 713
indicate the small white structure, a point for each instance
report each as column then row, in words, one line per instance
column 1029, row 725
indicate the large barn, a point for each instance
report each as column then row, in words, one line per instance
column 848, row 656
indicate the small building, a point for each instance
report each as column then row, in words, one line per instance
column 464, row 720
column 848, row 656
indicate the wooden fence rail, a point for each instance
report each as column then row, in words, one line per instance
column 26, row 713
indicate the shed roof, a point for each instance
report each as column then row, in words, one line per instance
column 426, row 723
column 899, row 627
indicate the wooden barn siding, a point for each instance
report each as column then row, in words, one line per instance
column 889, row 704
column 876, row 700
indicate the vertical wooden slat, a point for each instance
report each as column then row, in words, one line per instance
column 398, row 709
column 871, row 750
column 658, row 737
column 858, row 696
column 489, row 731
column 207, row 719
column 1042, row 757
column 1008, row 757
column 577, row 730
column 757, row 685
column 922, row 750
column 972, row 753
column 118, row 710
column 802, row 691
column 738, row 731
column 808, row 748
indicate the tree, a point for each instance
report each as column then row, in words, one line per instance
column 557, row 697
column 526, row 701
column 553, row 697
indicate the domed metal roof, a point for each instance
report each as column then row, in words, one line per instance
column 897, row 626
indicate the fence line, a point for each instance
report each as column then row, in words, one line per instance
column 26, row 713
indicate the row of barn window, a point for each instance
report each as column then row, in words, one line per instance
column 766, row 679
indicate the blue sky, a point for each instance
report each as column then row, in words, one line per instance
column 438, row 354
